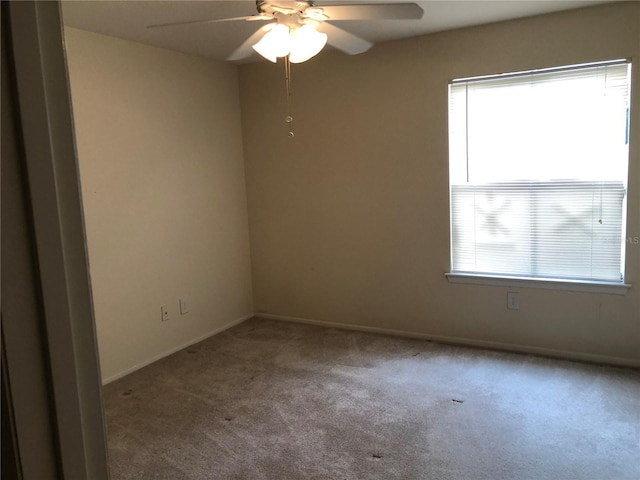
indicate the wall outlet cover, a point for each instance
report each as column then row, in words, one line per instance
column 513, row 301
column 184, row 306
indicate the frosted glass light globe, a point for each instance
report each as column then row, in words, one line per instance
column 275, row 43
column 306, row 42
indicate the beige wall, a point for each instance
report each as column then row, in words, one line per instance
column 349, row 220
column 160, row 152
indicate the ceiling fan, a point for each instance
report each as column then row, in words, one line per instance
column 298, row 30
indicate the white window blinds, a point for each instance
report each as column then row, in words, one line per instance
column 538, row 172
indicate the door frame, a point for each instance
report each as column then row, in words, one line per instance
column 51, row 375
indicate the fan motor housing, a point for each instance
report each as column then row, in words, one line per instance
column 263, row 6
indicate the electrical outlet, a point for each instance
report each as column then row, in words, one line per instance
column 164, row 310
column 184, row 306
column 513, row 301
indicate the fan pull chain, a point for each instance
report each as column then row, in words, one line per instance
column 287, row 76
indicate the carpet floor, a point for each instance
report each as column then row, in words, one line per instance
column 276, row 400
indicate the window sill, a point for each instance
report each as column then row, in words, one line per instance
column 551, row 284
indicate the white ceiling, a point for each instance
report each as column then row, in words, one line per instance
column 129, row 19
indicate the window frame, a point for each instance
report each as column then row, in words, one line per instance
column 507, row 280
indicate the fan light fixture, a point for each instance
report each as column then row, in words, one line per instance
column 299, row 42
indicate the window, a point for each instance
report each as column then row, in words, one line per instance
column 538, row 173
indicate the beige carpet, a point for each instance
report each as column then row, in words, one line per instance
column 274, row 400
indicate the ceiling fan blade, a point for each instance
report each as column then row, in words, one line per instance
column 245, row 50
column 343, row 40
column 214, row 20
column 381, row 11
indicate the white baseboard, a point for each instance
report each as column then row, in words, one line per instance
column 540, row 351
column 224, row 327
